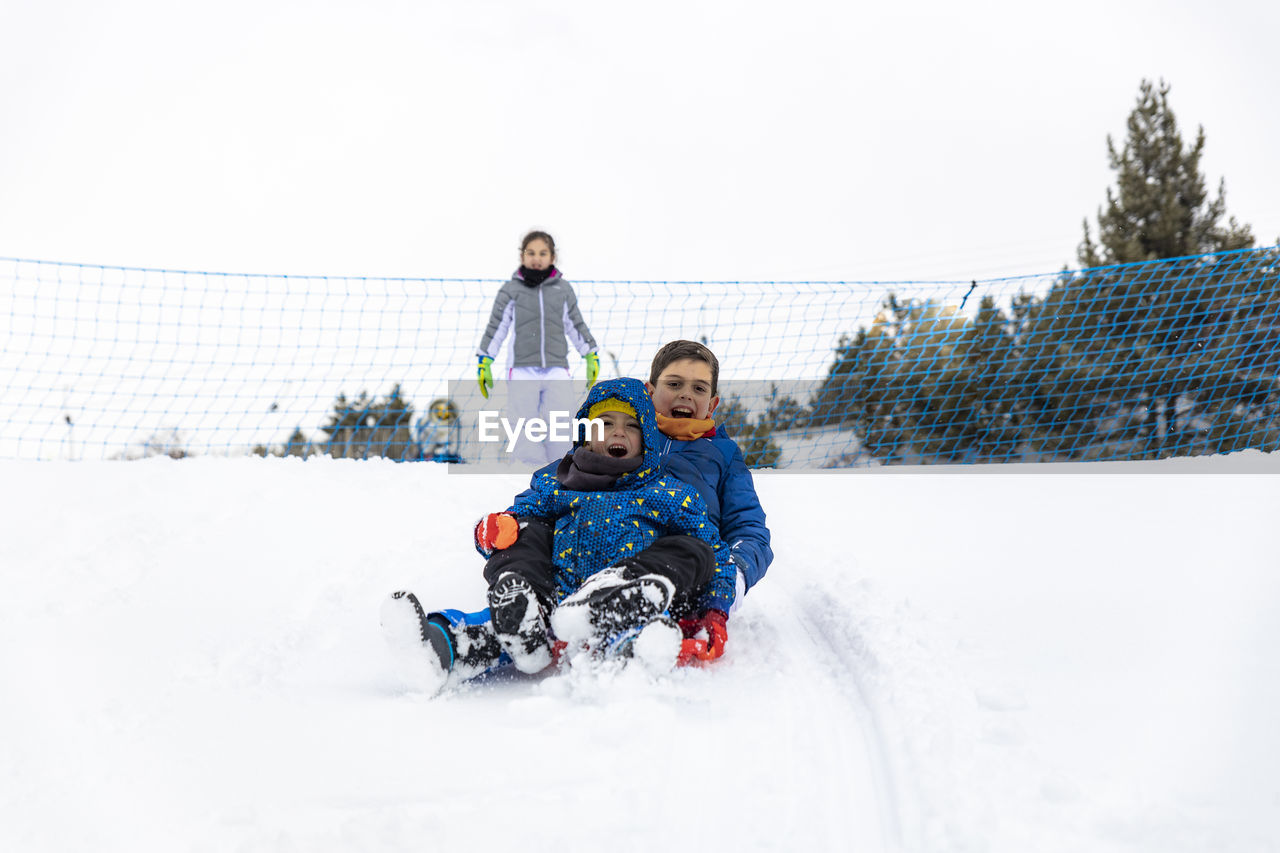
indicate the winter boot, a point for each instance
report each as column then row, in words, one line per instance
column 520, row 622
column 611, row 602
column 655, row 645
column 423, row 647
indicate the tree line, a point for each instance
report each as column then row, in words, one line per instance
column 1166, row 343
column 363, row 428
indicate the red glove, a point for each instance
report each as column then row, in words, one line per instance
column 704, row 637
column 496, row 531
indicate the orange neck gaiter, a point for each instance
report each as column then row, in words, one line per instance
column 684, row 429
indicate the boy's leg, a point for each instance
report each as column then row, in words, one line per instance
column 520, row 592
column 430, row 649
column 686, row 561
column 475, row 647
column 636, row 590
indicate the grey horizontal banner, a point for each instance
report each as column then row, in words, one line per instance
column 787, row 424
column 522, row 426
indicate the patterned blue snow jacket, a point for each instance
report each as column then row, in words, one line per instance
column 594, row 530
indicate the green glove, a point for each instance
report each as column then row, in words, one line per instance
column 593, row 368
column 485, row 376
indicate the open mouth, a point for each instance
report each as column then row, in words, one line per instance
column 617, row 450
column 681, row 412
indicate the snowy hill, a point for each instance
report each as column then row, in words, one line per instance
column 1002, row 659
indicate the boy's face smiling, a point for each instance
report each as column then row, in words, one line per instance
column 622, row 437
column 684, row 390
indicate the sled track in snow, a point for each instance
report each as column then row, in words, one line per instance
column 826, row 642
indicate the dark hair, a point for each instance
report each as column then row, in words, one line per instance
column 677, row 350
column 539, row 235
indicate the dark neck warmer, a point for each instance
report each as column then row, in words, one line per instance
column 533, row 278
column 587, row 471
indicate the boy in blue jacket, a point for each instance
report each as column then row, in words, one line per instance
column 683, row 384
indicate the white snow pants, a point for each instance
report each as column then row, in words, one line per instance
column 536, row 392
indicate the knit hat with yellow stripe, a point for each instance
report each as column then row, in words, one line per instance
column 611, row 404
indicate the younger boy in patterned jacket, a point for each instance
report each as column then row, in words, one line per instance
column 605, row 546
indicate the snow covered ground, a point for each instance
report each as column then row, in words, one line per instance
column 1055, row 658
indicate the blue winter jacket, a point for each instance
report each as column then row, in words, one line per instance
column 714, row 466
column 596, row 529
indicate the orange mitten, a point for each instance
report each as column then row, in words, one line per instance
column 496, row 531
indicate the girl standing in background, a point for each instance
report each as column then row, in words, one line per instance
column 539, row 310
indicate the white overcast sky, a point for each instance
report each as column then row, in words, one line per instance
column 674, row 140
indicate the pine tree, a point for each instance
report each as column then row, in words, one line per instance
column 365, row 427
column 754, row 438
column 1160, row 208
column 1159, row 318
column 297, row 444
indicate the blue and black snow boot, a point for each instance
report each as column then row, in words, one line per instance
column 656, row 644
column 612, row 602
column 520, row 622
column 422, row 645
